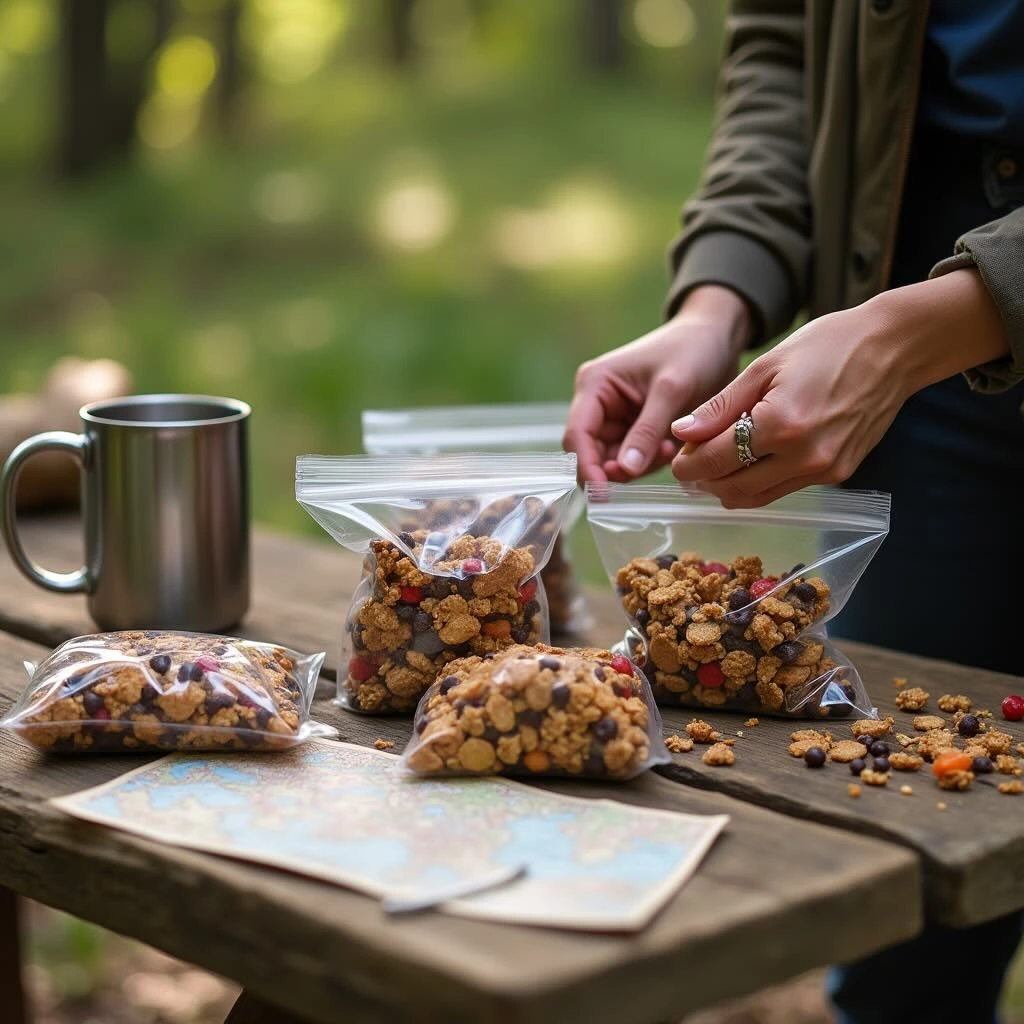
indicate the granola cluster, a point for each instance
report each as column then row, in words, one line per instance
column 152, row 690
column 535, row 711
column 728, row 636
column 478, row 597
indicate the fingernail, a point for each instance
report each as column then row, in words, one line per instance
column 632, row 459
column 682, row 423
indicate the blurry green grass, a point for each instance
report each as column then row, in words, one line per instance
column 172, row 268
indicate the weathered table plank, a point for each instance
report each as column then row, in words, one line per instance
column 971, row 853
column 744, row 921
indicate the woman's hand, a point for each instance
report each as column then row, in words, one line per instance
column 625, row 400
column 823, row 398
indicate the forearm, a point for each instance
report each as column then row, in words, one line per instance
column 941, row 327
column 722, row 308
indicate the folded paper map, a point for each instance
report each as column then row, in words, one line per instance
column 346, row 814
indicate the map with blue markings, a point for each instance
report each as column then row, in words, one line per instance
column 347, row 814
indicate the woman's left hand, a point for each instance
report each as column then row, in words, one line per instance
column 823, row 398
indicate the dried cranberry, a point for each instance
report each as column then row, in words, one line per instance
column 103, row 715
column 410, row 595
column 710, row 675
column 717, row 567
column 1013, row 707
column 360, row 669
column 527, row 591
column 472, row 567
column 621, row 664
column 761, row 587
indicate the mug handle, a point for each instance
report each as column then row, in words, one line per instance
column 57, row 440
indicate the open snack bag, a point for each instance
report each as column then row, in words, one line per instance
column 526, row 426
column 728, row 608
column 454, row 545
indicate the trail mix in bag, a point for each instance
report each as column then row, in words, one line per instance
column 158, row 690
column 538, row 711
column 454, row 545
column 528, row 426
column 728, row 608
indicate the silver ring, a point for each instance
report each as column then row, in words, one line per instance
column 743, row 431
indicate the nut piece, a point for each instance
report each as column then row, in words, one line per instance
column 873, row 778
column 875, row 728
column 913, row 699
column 719, row 755
column 956, row 780
column 846, row 751
column 702, row 732
column 679, row 744
column 904, row 762
column 950, row 702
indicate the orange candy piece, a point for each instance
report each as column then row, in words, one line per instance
column 500, row 628
column 537, row 761
column 951, row 761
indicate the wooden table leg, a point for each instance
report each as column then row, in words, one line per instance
column 250, row 1009
column 12, row 993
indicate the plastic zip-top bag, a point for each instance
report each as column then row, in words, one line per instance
column 453, row 544
column 518, row 427
column 728, row 609
column 166, row 690
column 534, row 711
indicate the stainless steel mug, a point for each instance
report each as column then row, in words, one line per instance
column 165, row 505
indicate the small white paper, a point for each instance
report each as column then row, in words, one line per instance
column 346, row 814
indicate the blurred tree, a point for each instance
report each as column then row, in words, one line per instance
column 100, row 97
column 231, row 73
column 401, row 43
column 604, row 45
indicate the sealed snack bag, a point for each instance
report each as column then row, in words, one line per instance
column 159, row 690
column 528, row 426
column 535, row 711
column 728, row 608
column 454, row 545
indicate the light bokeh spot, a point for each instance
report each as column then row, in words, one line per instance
column 414, row 214
column 664, row 23
column 186, row 67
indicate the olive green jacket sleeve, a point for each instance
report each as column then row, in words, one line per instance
column 996, row 249
column 748, row 227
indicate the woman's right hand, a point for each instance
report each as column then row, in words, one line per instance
column 626, row 400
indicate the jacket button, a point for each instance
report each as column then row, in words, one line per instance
column 881, row 6
column 1006, row 167
column 861, row 265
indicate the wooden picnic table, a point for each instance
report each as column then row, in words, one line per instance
column 775, row 896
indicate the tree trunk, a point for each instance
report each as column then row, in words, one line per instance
column 231, row 72
column 604, row 47
column 401, row 47
column 83, row 86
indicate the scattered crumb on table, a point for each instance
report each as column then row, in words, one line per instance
column 382, row 744
column 679, row 744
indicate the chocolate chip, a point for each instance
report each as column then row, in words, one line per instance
column 421, row 724
column 741, row 618
column 787, row 652
column 814, row 757
column 982, row 765
column 185, row 671
column 521, row 634
column 428, row 643
column 197, row 673
column 407, row 539
column 739, row 598
column 491, row 734
column 215, row 702
column 969, row 725
column 552, row 663
column 666, row 561
column 530, row 717
column 560, row 694
column 160, row 664
column 878, row 749
column 421, row 622
column 599, row 673
column 441, row 587
column 881, row 764
column 643, row 616
column 93, row 702
column 407, row 612
column 857, row 765
column 606, row 729
column 594, row 765
column 805, row 592
column 796, row 568
column 466, row 588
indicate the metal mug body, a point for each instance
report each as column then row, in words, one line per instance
column 165, row 507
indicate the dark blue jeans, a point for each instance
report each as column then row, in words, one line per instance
column 946, row 582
